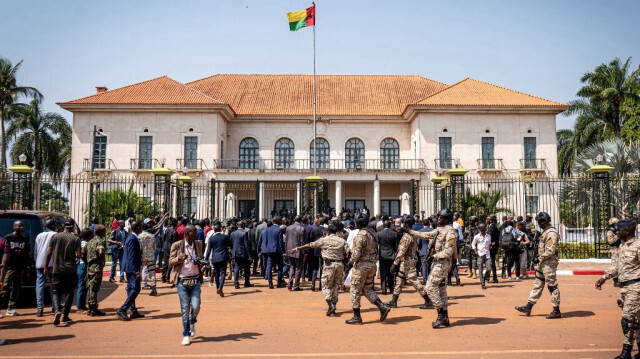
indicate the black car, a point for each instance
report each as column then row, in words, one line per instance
column 33, row 225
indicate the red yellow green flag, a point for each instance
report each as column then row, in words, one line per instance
column 302, row 18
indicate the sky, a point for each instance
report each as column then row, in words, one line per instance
column 538, row 47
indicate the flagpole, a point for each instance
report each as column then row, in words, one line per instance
column 315, row 152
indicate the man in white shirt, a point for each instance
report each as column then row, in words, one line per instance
column 40, row 255
column 454, row 266
column 480, row 244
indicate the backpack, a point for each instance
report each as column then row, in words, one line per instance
column 507, row 241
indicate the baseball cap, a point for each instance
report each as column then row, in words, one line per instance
column 69, row 223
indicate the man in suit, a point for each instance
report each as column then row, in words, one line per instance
column 295, row 238
column 132, row 262
column 253, row 237
column 273, row 247
column 263, row 258
column 494, row 232
column 423, row 249
column 387, row 247
column 241, row 253
column 218, row 248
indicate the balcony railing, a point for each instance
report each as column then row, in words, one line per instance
column 144, row 163
column 447, row 163
column 323, row 165
column 98, row 164
column 489, row 164
column 191, row 164
column 533, row 164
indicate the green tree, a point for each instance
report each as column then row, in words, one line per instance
column 52, row 199
column 109, row 203
column 10, row 92
column 45, row 138
column 483, row 203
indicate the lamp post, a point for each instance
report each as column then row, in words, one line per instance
column 456, row 176
column 162, row 187
column 184, row 192
column 437, row 192
column 22, row 181
column 601, row 204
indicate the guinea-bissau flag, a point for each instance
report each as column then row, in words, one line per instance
column 302, row 18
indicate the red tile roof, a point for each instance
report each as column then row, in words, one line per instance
column 470, row 92
column 354, row 95
column 160, row 91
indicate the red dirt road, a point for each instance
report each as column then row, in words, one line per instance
column 258, row 322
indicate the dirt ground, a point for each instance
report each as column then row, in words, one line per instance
column 259, row 322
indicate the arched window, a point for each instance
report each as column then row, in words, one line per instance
column 322, row 146
column 284, row 154
column 249, row 153
column 354, row 153
column 389, row 153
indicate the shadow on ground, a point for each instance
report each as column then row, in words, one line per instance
column 228, row 337
column 477, row 321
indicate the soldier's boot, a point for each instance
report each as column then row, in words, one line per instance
column 442, row 320
column 526, row 309
column 384, row 310
column 356, row 317
column 332, row 307
column 90, row 311
column 474, row 275
column 427, row 303
column 97, row 312
column 620, row 303
column 393, row 303
column 154, row 292
column 555, row 313
column 626, row 352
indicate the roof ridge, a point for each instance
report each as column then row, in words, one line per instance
column 443, row 90
column 516, row 91
column 318, row 75
column 195, row 91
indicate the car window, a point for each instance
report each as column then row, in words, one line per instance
column 32, row 227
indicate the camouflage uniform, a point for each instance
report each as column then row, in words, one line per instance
column 406, row 259
column 547, row 267
column 612, row 239
column 334, row 251
column 443, row 247
column 94, row 268
column 148, row 244
column 364, row 256
column 628, row 272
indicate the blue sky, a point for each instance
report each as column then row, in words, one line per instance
column 538, row 47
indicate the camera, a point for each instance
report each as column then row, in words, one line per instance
column 202, row 262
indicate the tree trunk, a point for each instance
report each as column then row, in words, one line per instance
column 616, row 117
column 3, row 148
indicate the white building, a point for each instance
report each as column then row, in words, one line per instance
column 375, row 133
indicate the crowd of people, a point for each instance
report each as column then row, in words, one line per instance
column 330, row 251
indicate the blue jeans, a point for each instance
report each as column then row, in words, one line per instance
column 274, row 259
column 116, row 256
column 220, row 273
column 189, row 306
column 41, row 280
column 81, row 297
column 133, row 289
column 424, row 269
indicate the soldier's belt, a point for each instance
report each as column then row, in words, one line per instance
column 629, row 282
column 328, row 262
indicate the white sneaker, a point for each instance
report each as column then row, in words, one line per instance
column 517, row 278
column 12, row 313
column 206, row 279
column 186, row 340
column 2, row 342
column 193, row 329
column 212, row 284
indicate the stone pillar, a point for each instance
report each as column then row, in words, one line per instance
column 376, row 197
column 339, row 202
column 261, row 204
column 299, row 197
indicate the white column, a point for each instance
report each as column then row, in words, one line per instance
column 376, row 198
column 298, row 204
column 261, row 203
column 339, row 203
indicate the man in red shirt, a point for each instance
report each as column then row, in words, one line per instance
column 207, row 226
column 180, row 229
column 114, row 224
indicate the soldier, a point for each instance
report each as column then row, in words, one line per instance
column 547, row 265
column 148, row 244
column 405, row 266
column 93, row 254
column 364, row 256
column 442, row 251
column 471, row 255
column 628, row 272
column 334, row 252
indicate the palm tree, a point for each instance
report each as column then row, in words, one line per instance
column 483, row 203
column 44, row 137
column 606, row 89
column 10, row 91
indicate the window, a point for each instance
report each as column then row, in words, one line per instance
column 100, row 152
column 531, row 204
column 390, row 207
column 190, row 205
column 445, row 152
column 354, row 154
column 145, row 152
column 488, row 162
column 285, row 151
column 244, row 208
column 191, row 152
column 281, row 206
column 249, row 153
column 322, row 146
column 353, row 204
column 530, row 152
column 389, row 153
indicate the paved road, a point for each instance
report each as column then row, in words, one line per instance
column 258, row 322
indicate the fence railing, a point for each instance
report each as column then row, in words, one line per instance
column 322, row 164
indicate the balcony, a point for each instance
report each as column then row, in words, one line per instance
column 533, row 164
column 443, row 164
column 143, row 164
column 262, row 165
column 490, row 165
column 191, row 164
column 100, row 164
